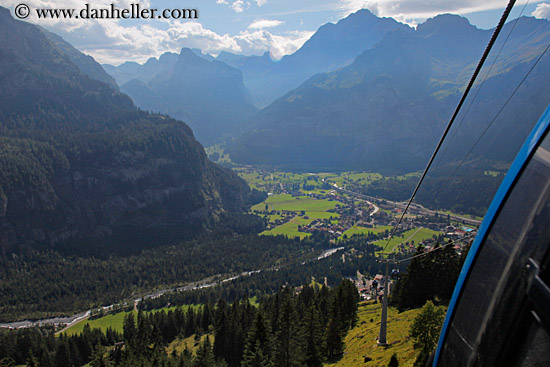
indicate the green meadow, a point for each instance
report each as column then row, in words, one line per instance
column 461, row 215
column 313, row 209
column 416, row 234
column 363, row 178
column 362, row 230
column 287, row 202
column 114, row 321
column 290, row 229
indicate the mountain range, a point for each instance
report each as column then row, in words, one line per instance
column 207, row 94
column 332, row 46
column 364, row 93
column 79, row 161
column 181, row 85
column 387, row 110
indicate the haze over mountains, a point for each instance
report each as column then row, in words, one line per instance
column 379, row 85
column 79, row 153
column 207, row 94
column 387, row 110
column 182, row 85
column 331, row 47
column 79, row 160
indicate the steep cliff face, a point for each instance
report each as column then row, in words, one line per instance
column 187, row 87
column 79, row 161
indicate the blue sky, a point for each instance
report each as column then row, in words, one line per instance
column 249, row 27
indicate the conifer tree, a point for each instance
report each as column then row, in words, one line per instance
column 143, row 333
column 220, row 330
column 410, row 291
column 287, row 344
column 312, row 337
column 186, row 358
column 62, row 356
column 190, row 322
column 347, row 298
column 206, row 317
column 32, row 361
column 204, row 357
column 334, row 337
column 258, row 350
column 129, row 328
column 99, row 359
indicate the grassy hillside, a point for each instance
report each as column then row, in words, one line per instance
column 362, row 230
column 361, row 341
column 114, row 321
column 416, row 234
column 191, row 343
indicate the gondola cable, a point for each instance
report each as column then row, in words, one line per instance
column 483, row 82
column 498, row 113
column 465, row 94
column 437, row 248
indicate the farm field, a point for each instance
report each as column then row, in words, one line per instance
column 114, row 321
column 296, row 204
column 288, row 197
column 460, row 215
column 311, row 208
column 290, row 228
column 416, row 234
column 362, row 230
column 361, row 177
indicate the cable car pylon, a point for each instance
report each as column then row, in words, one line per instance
column 382, row 340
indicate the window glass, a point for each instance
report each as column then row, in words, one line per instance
column 495, row 289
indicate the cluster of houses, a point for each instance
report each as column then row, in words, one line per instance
column 285, row 216
column 356, row 212
column 372, row 288
column 350, row 212
column 324, row 225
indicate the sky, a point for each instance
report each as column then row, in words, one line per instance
column 248, row 27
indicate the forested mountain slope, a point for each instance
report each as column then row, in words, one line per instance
column 387, row 110
column 332, row 46
column 79, row 160
column 208, row 94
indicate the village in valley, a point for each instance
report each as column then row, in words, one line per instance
column 301, row 205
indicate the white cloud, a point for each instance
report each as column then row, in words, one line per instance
column 116, row 41
column 542, row 11
column 239, row 6
column 265, row 23
column 282, row 46
column 260, row 40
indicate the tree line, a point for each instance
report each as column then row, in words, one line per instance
column 329, row 270
column 293, row 327
column 429, row 277
column 470, row 192
column 39, row 284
